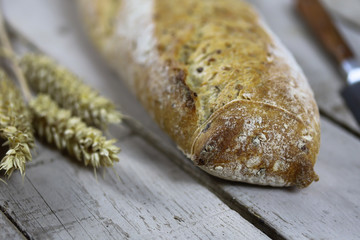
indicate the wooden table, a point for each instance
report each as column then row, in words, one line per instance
column 160, row 194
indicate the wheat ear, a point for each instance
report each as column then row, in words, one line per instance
column 46, row 76
column 68, row 133
column 15, row 128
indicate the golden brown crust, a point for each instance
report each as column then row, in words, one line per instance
column 247, row 141
column 218, row 82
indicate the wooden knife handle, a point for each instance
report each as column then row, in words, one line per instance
column 323, row 27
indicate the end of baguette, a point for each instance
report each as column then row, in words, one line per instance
column 257, row 143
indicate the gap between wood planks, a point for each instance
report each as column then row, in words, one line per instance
column 14, row 222
column 201, row 177
column 342, row 125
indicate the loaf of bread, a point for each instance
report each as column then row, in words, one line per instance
column 218, row 81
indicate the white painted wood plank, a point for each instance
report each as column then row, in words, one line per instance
column 323, row 75
column 154, row 199
column 8, row 230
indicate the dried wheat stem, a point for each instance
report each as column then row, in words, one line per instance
column 9, row 54
column 70, row 134
column 45, row 76
column 15, row 127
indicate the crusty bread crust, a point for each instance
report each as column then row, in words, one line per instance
column 218, row 81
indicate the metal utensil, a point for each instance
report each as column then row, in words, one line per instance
column 323, row 27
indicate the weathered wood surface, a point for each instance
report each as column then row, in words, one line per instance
column 328, row 209
column 8, row 230
column 154, row 199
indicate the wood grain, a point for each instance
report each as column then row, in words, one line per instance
column 8, row 230
column 60, row 199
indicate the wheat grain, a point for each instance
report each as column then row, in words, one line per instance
column 58, row 127
column 15, row 128
column 45, row 76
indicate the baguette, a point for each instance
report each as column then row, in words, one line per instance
column 218, row 81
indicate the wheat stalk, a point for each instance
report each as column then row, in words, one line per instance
column 45, row 76
column 15, row 128
column 58, row 127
